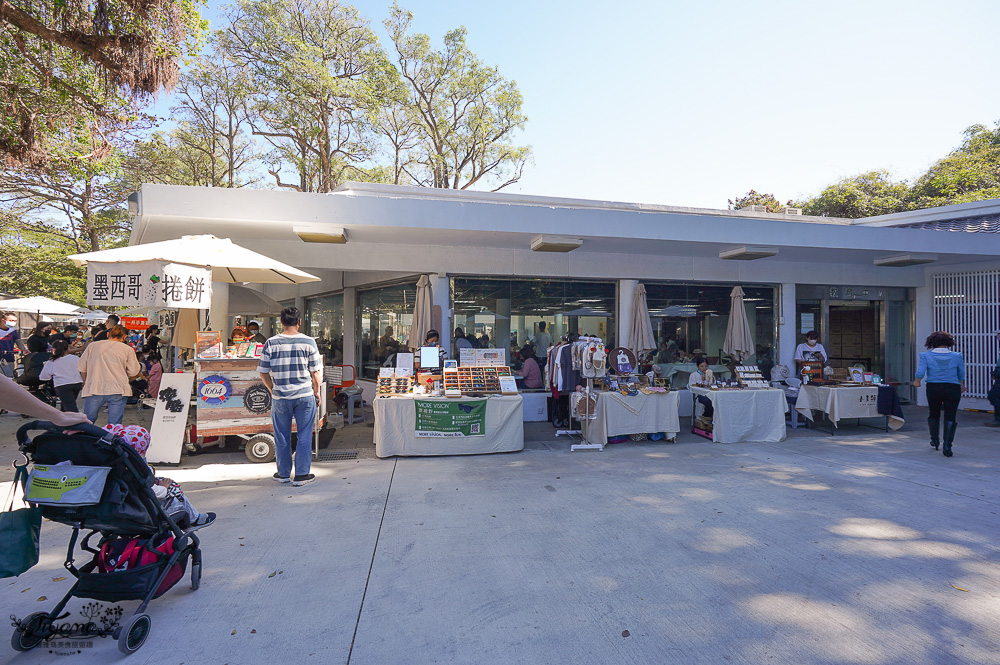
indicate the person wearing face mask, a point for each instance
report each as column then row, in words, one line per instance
column 74, row 339
column 811, row 350
column 10, row 340
column 38, row 341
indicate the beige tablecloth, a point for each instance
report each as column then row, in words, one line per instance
column 395, row 428
column 619, row 414
column 747, row 415
column 842, row 402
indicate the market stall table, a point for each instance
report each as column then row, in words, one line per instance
column 618, row 414
column 845, row 402
column 424, row 425
column 746, row 415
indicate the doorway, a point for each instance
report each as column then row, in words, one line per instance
column 855, row 335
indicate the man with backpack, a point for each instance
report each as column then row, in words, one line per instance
column 291, row 367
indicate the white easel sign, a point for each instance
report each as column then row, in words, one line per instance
column 170, row 419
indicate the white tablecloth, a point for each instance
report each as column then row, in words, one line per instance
column 746, row 415
column 842, row 402
column 395, row 422
column 619, row 414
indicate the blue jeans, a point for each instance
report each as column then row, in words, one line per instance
column 303, row 410
column 116, row 407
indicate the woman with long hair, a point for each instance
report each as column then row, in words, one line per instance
column 945, row 372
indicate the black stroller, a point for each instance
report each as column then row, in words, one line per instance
column 127, row 509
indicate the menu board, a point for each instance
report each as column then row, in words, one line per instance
column 208, row 344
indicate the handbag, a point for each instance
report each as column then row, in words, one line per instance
column 18, row 531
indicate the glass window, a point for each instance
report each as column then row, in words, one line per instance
column 324, row 320
column 386, row 315
column 691, row 319
column 508, row 313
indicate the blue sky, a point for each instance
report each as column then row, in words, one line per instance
column 693, row 103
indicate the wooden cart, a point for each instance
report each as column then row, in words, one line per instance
column 233, row 401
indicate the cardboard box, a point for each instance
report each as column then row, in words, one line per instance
column 851, row 339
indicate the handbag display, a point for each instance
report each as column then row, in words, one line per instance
column 19, row 530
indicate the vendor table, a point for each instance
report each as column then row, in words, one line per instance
column 396, row 426
column 840, row 402
column 746, row 415
column 678, row 373
column 619, row 414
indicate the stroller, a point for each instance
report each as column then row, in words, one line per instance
column 112, row 497
column 30, row 378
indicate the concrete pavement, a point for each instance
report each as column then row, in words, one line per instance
column 862, row 548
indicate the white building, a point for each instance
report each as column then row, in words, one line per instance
column 500, row 264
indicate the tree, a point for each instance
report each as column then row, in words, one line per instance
column 864, row 195
column 78, row 197
column 316, row 75
column 36, row 264
column 971, row 172
column 754, row 198
column 67, row 61
column 211, row 136
column 462, row 115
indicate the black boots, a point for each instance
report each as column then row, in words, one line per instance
column 949, row 435
column 996, row 417
column 935, row 426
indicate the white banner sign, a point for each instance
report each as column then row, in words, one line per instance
column 170, row 418
column 149, row 284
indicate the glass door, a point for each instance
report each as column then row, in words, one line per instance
column 899, row 354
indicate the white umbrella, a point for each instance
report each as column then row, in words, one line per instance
column 229, row 261
column 243, row 300
column 739, row 340
column 640, row 335
column 41, row 305
column 422, row 313
column 96, row 316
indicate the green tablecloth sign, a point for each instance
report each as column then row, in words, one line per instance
column 457, row 418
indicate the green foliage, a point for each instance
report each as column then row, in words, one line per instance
column 315, row 75
column 33, row 264
column 755, row 198
column 78, row 196
column 971, row 172
column 865, row 195
column 456, row 124
column 63, row 62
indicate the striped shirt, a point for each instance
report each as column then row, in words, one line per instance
column 290, row 360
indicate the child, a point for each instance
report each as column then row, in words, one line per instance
column 154, row 370
column 167, row 491
column 62, row 370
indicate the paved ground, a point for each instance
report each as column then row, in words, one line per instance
column 860, row 548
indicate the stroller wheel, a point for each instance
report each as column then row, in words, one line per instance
column 30, row 634
column 195, row 575
column 133, row 634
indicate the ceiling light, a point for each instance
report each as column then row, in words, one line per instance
column 555, row 244
column 321, row 233
column 748, row 252
column 904, row 260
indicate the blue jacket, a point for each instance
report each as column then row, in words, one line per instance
column 941, row 367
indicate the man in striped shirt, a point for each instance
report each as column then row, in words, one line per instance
column 291, row 367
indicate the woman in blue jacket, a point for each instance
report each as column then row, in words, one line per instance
column 945, row 372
